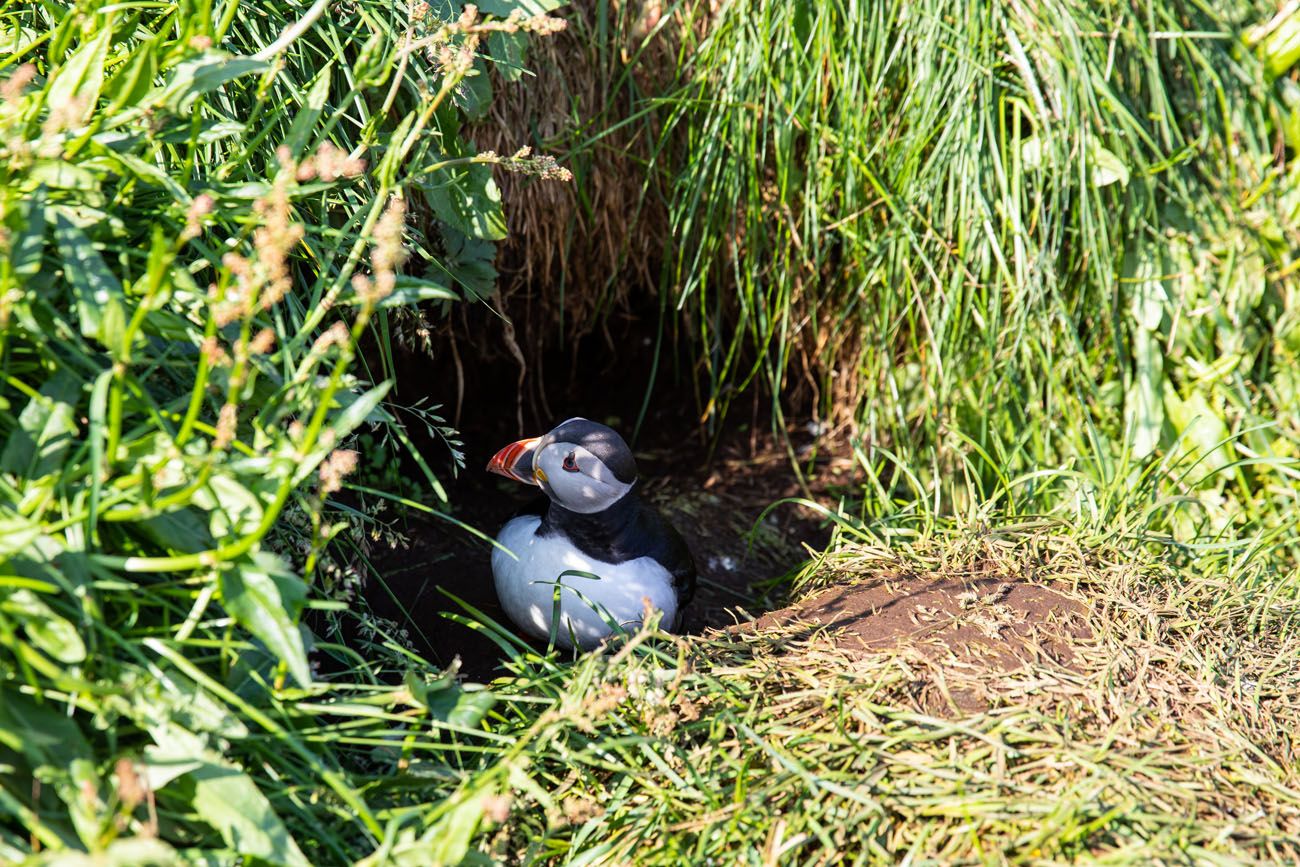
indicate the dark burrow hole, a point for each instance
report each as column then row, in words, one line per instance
column 714, row 492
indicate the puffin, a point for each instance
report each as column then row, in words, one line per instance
column 611, row 552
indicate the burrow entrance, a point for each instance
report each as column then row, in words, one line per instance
column 713, row 493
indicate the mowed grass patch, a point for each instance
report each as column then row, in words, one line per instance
column 1168, row 734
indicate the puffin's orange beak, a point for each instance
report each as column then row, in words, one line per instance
column 515, row 461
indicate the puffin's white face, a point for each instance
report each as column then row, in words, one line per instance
column 575, row 478
column 581, row 465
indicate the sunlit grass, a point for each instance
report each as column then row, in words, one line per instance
column 979, row 242
column 1034, row 261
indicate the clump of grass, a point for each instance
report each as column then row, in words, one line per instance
column 974, row 242
column 1169, row 735
column 996, row 239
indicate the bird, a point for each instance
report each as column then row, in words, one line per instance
column 593, row 534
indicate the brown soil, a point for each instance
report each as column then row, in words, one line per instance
column 977, row 622
column 995, row 621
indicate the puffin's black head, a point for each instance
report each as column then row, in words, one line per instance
column 584, row 466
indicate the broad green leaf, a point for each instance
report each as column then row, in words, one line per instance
column 1033, row 152
column 92, row 282
column 1143, row 408
column 16, row 533
column 469, row 261
column 226, row 798
column 211, row 70
column 62, row 175
column 232, row 505
column 177, row 700
column 134, row 78
column 1107, row 168
column 29, row 241
column 412, row 290
column 1281, row 49
column 358, row 410
column 305, row 120
column 386, row 170
column 178, row 531
column 169, row 325
column 468, row 200
column 15, row 39
column 45, row 431
column 445, row 844
column 473, row 95
column 39, row 731
column 45, row 560
column 151, row 174
column 450, row 837
column 1143, row 265
column 503, row 8
column 460, row 707
column 79, row 80
column 125, row 852
column 209, row 132
column 509, row 52
column 267, row 602
column 83, row 809
column 112, row 326
column 47, row 630
column 1202, row 428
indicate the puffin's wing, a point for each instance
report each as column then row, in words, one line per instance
column 681, row 565
column 670, row 549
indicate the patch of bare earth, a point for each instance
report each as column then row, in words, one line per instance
column 966, row 621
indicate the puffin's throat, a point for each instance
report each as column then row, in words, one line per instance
column 606, row 535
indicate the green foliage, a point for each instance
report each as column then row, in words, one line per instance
column 1042, row 255
column 997, row 239
column 202, row 211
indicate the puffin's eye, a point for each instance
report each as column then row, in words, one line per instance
column 570, row 463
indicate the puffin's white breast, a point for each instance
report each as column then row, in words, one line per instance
column 526, row 586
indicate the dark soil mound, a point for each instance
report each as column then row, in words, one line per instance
column 972, row 625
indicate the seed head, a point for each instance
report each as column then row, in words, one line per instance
column 12, row 88
column 226, row 423
column 199, row 208
column 263, row 342
column 336, row 334
column 339, row 464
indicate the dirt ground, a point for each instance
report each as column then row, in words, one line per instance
column 960, row 631
column 981, row 617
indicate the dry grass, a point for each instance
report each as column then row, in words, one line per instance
column 576, row 251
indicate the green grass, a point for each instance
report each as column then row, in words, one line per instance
column 979, row 242
column 1170, row 736
column 1038, row 259
column 205, row 209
